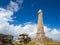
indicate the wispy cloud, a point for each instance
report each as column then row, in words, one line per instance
column 15, row 6
column 5, row 15
column 19, row 1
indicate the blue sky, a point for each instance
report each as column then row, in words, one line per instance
column 29, row 9
column 51, row 12
column 22, row 14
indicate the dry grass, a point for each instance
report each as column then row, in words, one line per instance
column 54, row 43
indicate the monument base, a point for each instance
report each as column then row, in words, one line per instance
column 45, row 39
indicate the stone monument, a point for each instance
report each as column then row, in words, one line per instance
column 40, row 32
column 40, row 35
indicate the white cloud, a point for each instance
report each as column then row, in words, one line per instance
column 19, row 1
column 5, row 15
column 13, row 6
column 52, row 33
column 31, row 29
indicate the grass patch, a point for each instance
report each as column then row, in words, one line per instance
column 52, row 43
column 25, row 44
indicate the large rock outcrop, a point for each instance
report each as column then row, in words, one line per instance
column 6, row 39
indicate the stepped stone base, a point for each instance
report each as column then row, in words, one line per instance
column 46, row 39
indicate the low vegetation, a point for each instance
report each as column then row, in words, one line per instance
column 55, row 43
column 24, row 39
column 25, row 44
